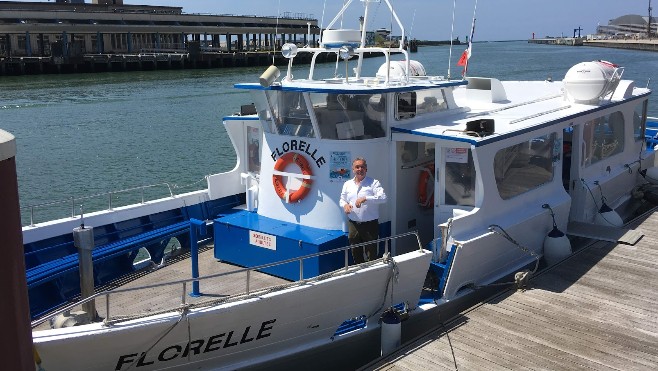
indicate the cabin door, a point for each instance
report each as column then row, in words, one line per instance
column 574, row 163
column 415, row 182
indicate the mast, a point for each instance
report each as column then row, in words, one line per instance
column 363, row 24
column 649, row 22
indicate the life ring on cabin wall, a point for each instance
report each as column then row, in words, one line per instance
column 277, row 180
column 426, row 187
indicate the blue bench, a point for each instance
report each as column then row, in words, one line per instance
column 651, row 134
column 57, row 267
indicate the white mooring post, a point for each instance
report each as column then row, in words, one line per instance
column 391, row 335
column 83, row 239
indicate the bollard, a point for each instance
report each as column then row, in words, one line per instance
column 391, row 335
column 83, row 240
column 197, row 228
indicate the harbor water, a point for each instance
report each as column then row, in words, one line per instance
column 87, row 134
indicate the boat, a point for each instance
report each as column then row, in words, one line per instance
column 484, row 178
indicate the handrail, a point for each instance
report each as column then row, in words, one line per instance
column 72, row 200
column 248, row 271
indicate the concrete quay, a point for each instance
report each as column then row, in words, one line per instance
column 644, row 44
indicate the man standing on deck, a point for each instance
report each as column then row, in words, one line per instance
column 360, row 201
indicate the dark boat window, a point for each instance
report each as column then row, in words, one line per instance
column 603, row 137
column 460, row 177
column 406, row 106
column 525, row 166
column 350, row 116
column 290, row 113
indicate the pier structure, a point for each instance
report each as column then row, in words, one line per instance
column 570, row 41
column 44, row 37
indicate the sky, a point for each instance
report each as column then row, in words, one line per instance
column 432, row 19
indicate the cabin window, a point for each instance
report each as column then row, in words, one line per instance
column 428, row 101
column 290, row 113
column 525, row 166
column 603, row 137
column 639, row 121
column 405, row 107
column 460, row 177
column 253, row 149
column 263, row 111
column 350, row 116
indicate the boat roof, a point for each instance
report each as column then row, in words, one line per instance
column 370, row 85
column 530, row 105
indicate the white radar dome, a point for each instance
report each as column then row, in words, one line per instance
column 398, row 69
column 587, row 82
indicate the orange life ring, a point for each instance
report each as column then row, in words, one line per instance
column 277, row 180
column 426, row 187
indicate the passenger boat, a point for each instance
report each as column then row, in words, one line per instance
column 483, row 178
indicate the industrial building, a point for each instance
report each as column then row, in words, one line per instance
column 629, row 25
column 71, row 35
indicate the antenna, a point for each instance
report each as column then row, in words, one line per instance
column 276, row 31
column 322, row 21
column 452, row 31
column 413, row 19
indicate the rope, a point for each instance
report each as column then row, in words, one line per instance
column 445, row 331
column 394, row 274
column 183, row 314
column 452, row 349
column 520, row 278
column 603, row 199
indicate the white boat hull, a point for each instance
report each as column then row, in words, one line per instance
column 241, row 333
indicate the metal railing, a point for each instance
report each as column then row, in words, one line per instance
column 183, row 283
column 77, row 201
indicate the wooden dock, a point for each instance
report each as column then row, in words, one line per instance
column 596, row 310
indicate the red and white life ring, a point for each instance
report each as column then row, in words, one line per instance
column 426, row 187
column 277, row 180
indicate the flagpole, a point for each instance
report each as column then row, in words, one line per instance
column 470, row 41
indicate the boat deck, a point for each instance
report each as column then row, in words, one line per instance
column 596, row 310
column 153, row 300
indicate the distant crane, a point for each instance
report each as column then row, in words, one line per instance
column 577, row 30
column 649, row 23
